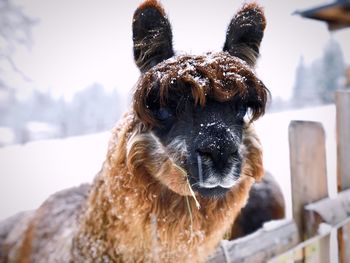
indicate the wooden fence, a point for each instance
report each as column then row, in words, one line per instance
column 318, row 220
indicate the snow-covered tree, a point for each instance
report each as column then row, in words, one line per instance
column 305, row 90
column 92, row 110
column 333, row 70
column 15, row 30
column 316, row 83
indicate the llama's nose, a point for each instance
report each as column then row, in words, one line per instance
column 219, row 152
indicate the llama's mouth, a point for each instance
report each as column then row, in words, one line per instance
column 216, row 192
column 210, row 183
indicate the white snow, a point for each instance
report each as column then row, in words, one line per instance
column 30, row 173
column 40, row 130
column 7, row 136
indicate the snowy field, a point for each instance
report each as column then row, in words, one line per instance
column 30, row 173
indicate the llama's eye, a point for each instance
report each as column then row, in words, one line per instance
column 242, row 111
column 164, row 114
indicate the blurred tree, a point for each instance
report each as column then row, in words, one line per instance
column 92, row 110
column 315, row 84
column 15, row 29
column 305, row 91
column 332, row 72
column 299, row 85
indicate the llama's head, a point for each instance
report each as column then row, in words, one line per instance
column 195, row 111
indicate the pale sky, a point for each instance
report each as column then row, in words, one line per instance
column 81, row 42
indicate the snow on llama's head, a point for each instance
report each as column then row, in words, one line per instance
column 195, row 111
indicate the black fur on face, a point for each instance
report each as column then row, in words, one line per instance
column 195, row 105
column 209, row 140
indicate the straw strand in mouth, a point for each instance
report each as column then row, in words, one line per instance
column 189, row 185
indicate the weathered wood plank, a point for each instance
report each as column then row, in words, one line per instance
column 325, row 250
column 306, row 251
column 259, row 246
column 332, row 212
column 309, row 179
column 329, row 210
column 346, row 236
column 318, row 252
column 308, row 167
column 343, row 164
column 343, row 138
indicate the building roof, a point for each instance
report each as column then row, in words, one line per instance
column 336, row 14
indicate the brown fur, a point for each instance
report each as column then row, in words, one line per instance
column 152, row 3
column 257, row 8
column 127, row 197
column 140, row 207
column 208, row 76
column 12, row 231
column 114, row 222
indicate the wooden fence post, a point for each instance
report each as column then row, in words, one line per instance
column 308, row 174
column 343, row 163
column 343, row 138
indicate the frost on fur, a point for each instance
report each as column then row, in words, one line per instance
column 179, row 165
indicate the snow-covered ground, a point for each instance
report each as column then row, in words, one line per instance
column 30, row 173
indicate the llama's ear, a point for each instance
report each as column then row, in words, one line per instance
column 245, row 33
column 151, row 35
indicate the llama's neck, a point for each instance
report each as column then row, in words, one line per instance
column 141, row 219
column 138, row 218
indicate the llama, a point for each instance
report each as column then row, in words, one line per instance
column 265, row 203
column 179, row 165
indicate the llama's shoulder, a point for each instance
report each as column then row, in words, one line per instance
column 53, row 227
column 12, row 230
column 67, row 199
column 61, row 206
column 49, row 229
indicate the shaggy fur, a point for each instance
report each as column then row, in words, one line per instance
column 140, row 207
column 128, row 215
column 151, row 48
column 245, row 32
column 209, row 76
column 124, row 220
